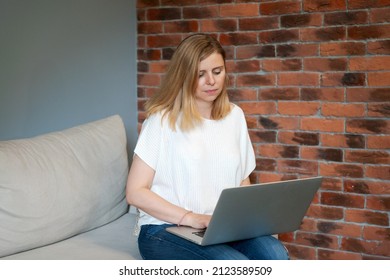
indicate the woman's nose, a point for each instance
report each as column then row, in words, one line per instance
column 210, row 79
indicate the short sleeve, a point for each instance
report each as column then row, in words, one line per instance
column 248, row 158
column 149, row 141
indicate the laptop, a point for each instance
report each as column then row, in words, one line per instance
column 255, row 210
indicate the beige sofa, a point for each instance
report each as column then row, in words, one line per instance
column 62, row 195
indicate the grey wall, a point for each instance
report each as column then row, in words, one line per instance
column 66, row 62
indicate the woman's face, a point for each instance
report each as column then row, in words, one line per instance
column 211, row 79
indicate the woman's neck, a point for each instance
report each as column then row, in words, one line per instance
column 205, row 109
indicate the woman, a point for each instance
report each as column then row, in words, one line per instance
column 193, row 144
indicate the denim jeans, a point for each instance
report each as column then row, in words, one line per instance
column 155, row 243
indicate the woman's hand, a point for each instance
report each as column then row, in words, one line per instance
column 198, row 221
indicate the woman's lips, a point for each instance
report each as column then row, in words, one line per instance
column 211, row 91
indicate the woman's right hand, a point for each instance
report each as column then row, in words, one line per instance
column 198, row 221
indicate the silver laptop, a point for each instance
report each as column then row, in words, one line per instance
column 255, row 210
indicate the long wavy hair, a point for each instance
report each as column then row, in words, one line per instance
column 176, row 95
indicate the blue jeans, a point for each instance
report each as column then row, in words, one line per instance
column 155, row 243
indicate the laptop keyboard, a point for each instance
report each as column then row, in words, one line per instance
column 199, row 233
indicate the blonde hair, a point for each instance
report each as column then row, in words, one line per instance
column 176, row 96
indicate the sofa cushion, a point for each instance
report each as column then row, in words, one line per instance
column 60, row 184
column 113, row 241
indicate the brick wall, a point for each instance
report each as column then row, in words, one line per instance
column 313, row 78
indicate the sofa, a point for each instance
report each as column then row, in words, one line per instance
column 62, row 195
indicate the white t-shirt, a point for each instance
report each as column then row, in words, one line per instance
column 192, row 168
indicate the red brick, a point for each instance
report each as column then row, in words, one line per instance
column 262, row 136
column 317, row 240
column 163, row 14
column 343, row 110
column 248, row 52
column 255, row 23
column 309, row 225
column 301, row 252
column 295, row 166
column 343, row 140
column 242, row 94
column 237, row 10
column 246, row 66
column 369, row 32
column 320, row 124
column 325, row 212
column 332, row 184
column 279, row 94
column 367, row 187
column 250, row 80
column 218, row 25
column 289, row 123
column 322, row 94
column 289, row 21
column 366, row 4
column 369, row 126
column 380, row 15
column 149, row 80
column 274, row 177
column 271, row 65
column 259, row 108
column 297, row 50
column 247, row 38
column 251, row 122
column 158, row 41
column 323, row 5
column 378, row 142
column 342, row 49
column 146, row 4
column 158, row 67
column 323, row 34
column 149, row 27
column 379, row 78
column 339, row 228
column 368, row 156
column 344, row 18
column 280, row 7
column 298, row 108
column 378, row 47
column 302, row 138
column 381, row 203
column 343, row 170
column 364, row 246
column 324, row 254
column 343, row 79
column 177, row 3
column 286, row 237
column 200, row 12
column 327, row 154
column 265, row 164
column 368, row 95
column 369, row 63
column 325, row 64
column 184, row 26
column 148, row 54
column 342, row 199
column 378, row 110
column 279, row 36
column 378, row 172
column 366, row 217
column 376, row 233
column 278, row 151
column 298, row 79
